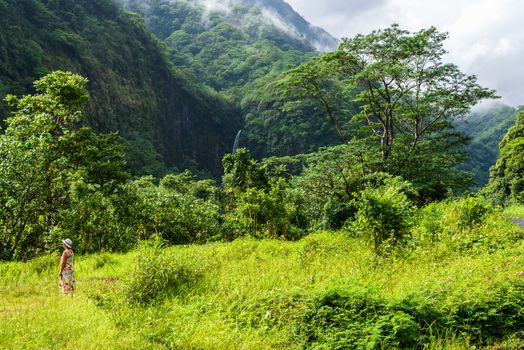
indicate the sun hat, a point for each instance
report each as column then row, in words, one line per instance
column 68, row 243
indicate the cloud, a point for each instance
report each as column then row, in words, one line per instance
column 486, row 38
column 220, row 6
column 326, row 9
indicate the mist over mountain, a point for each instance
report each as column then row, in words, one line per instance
column 282, row 13
column 230, row 44
column 277, row 13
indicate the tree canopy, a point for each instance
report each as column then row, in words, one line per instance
column 407, row 99
column 45, row 158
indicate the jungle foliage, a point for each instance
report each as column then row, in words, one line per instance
column 369, row 185
column 507, row 175
column 342, row 247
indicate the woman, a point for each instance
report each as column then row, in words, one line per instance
column 67, row 271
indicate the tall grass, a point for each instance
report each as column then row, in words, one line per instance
column 454, row 290
column 515, row 211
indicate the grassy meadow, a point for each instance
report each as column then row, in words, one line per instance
column 461, row 289
column 515, row 211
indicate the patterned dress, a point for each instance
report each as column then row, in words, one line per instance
column 67, row 279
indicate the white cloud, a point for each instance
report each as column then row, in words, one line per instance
column 273, row 18
column 219, row 6
column 486, row 36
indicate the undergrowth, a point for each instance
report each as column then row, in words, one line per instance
column 458, row 284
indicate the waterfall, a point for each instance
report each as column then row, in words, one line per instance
column 237, row 140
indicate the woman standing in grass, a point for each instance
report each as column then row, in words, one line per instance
column 67, row 270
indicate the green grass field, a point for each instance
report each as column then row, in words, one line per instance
column 515, row 211
column 326, row 291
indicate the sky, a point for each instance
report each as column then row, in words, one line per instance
column 486, row 37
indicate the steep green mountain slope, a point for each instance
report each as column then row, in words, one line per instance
column 486, row 127
column 166, row 120
column 239, row 47
column 230, row 43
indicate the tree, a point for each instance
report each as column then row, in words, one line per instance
column 407, row 97
column 42, row 154
column 242, row 172
column 385, row 212
column 254, row 203
column 507, row 175
column 318, row 80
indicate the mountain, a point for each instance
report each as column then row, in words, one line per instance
column 229, row 44
column 486, row 127
column 282, row 15
column 239, row 47
column 166, row 118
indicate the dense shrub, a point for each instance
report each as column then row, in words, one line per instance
column 446, row 219
column 174, row 211
column 255, row 204
column 262, row 214
column 384, row 214
column 158, row 274
column 468, row 212
column 491, row 316
column 336, row 214
column 356, row 319
column 359, row 318
column 95, row 221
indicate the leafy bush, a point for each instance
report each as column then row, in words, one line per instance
column 491, row 316
column 356, row 319
column 255, row 204
column 384, row 214
column 469, row 211
column 174, row 211
column 261, row 214
column 336, row 214
column 446, row 219
column 158, row 274
column 360, row 318
column 95, row 221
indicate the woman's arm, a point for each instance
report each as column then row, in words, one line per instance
column 63, row 262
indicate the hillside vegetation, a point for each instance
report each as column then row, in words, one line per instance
column 166, row 119
column 486, row 128
column 230, row 44
column 240, row 48
column 506, row 176
column 178, row 79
